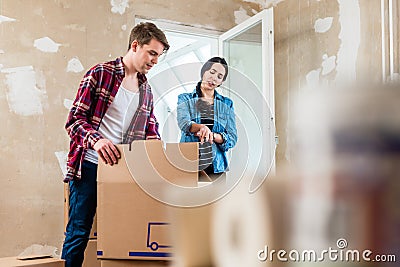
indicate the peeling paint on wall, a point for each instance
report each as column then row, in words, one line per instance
column 62, row 161
column 74, row 65
column 272, row 2
column 264, row 3
column 261, row 3
column 26, row 90
column 45, row 44
column 323, row 25
column 349, row 19
column 119, row 6
column 6, row 19
column 123, row 27
column 68, row 103
column 312, row 79
column 77, row 32
column 76, row 27
column 328, row 64
column 240, row 15
column 38, row 11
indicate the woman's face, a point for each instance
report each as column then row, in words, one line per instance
column 213, row 77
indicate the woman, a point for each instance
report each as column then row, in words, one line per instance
column 205, row 115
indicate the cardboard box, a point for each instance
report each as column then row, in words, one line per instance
column 93, row 232
column 133, row 263
column 35, row 262
column 91, row 254
column 130, row 223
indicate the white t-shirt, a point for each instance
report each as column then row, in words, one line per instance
column 117, row 119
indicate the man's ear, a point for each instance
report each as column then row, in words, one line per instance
column 134, row 45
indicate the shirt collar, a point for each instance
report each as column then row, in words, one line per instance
column 120, row 69
column 216, row 95
column 120, row 66
column 142, row 78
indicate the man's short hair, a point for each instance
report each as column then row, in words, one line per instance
column 144, row 32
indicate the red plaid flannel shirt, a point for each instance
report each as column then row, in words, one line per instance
column 96, row 92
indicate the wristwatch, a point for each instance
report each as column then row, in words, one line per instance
column 222, row 136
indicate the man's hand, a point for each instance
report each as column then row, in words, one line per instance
column 107, row 151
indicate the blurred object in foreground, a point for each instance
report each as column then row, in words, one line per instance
column 348, row 162
column 240, row 229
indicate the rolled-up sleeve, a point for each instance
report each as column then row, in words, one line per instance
column 152, row 128
column 230, row 133
column 78, row 127
column 183, row 113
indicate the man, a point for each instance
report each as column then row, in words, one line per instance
column 105, row 112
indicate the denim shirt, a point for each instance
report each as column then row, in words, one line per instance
column 224, row 124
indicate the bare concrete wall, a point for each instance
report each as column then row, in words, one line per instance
column 45, row 48
column 321, row 43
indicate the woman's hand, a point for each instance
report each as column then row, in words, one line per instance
column 205, row 134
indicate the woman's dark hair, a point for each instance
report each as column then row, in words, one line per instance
column 207, row 66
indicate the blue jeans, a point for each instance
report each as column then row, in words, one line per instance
column 82, row 208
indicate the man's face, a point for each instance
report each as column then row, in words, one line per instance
column 147, row 55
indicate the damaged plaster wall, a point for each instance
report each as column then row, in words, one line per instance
column 45, row 48
column 317, row 43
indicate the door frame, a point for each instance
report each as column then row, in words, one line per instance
column 266, row 18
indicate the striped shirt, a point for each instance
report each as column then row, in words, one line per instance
column 205, row 149
column 96, row 92
column 224, row 124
